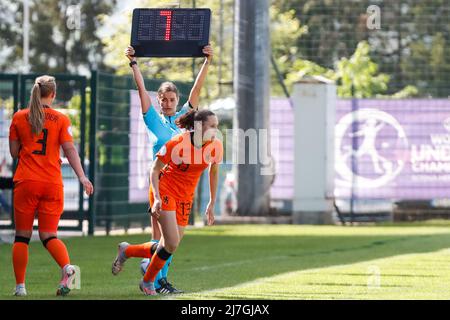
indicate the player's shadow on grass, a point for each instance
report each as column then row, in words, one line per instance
column 213, row 262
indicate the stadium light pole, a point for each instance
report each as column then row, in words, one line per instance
column 26, row 35
column 252, row 92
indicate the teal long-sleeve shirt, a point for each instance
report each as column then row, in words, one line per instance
column 161, row 128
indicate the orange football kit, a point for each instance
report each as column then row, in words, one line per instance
column 184, row 164
column 38, row 184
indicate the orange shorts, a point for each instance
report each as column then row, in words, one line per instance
column 182, row 207
column 45, row 199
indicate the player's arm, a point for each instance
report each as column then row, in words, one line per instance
column 154, row 178
column 213, row 182
column 74, row 160
column 146, row 102
column 14, row 148
column 14, row 140
column 194, row 96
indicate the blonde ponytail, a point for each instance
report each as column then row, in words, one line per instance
column 42, row 88
column 36, row 111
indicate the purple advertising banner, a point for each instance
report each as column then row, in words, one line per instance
column 384, row 149
column 140, row 152
column 282, row 121
column 392, row 149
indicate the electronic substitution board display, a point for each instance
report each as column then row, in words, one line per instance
column 170, row 32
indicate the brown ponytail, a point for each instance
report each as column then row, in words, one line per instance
column 42, row 88
column 188, row 120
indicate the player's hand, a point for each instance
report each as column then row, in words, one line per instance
column 208, row 51
column 87, row 185
column 156, row 208
column 210, row 214
column 129, row 52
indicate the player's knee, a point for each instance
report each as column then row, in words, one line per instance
column 164, row 253
column 171, row 245
column 46, row 241
column 44, row 235
column 24, row 233
column 22, row 239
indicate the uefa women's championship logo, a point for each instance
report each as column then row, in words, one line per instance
column 371, row 149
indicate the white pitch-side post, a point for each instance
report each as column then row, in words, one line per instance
column 314, row 107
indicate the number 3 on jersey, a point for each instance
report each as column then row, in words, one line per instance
column 42, row 141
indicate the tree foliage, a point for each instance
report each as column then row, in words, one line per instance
column 56, row 44
column 326, row 37
column 412, row 46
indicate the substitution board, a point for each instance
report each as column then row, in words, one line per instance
column 170, row 32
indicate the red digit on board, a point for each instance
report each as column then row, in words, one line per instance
column 167, row 14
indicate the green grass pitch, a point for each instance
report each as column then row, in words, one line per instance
column 261, row 262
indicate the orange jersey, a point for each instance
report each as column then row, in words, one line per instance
column 185, row 164
column 39, row 156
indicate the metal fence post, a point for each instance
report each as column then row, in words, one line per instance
column 83, row 84
column 92, row 149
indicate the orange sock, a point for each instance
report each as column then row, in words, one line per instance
column 58, row 251
column 20, row 261
column 156, row 264
column 143, row 250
